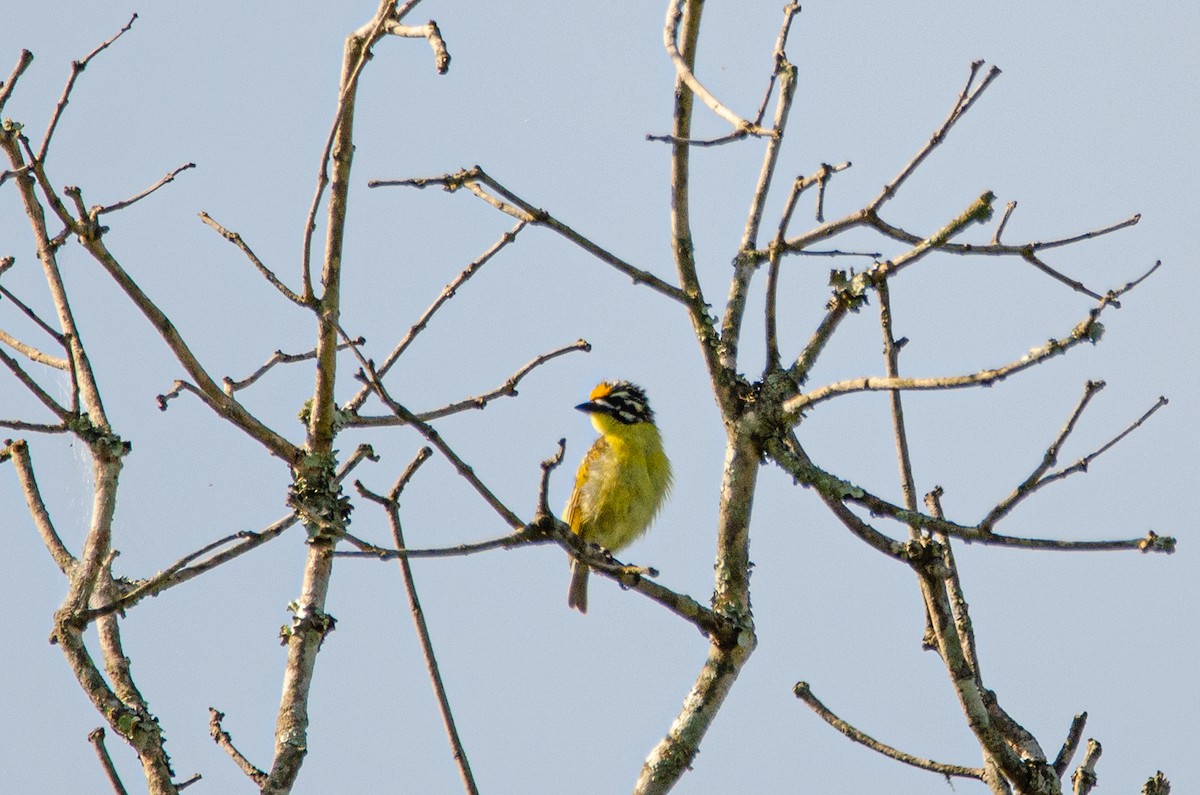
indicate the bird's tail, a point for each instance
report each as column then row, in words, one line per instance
column 577, row 594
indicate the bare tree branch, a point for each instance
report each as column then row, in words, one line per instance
column 236, row 239
column 1038, row 478
column 507, row 389
column 1070, row 745
column 1084, row 780
column 684, row 67
column 1088, row 330
column 391, row 504
column 96, row 738
column 803, row 691
column 475, row 179
column 98, row 211
column 447, row 293
column 222, row 739
column 77, row 68
column 966, row 98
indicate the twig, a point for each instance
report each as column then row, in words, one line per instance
column 548, row 466
column 803, row 692
column 6, row 88
column 835, row 491
column 369, row 376
column 1104, row 230
column 391, row 504
column 966, row 98
column 367, row 550
column 1071, row 744
column 22, row 462
column 96, row 212
column 507, row 389
column 1008, row 211
column 1087, row 330
column 744, row 265
column 684, row 71
column 96, row 738
column 838, row 253
column 1116, row 294
column 222, row 739
column 430, row 32
column 1074, row 284
column 849, row 292
column 236, row 239
column 206, row 388
column 447, row 293
column 891, row 355
column 363, row 40
column 511, row 204
column 31, row 353
column 1084, row 779
column 957, row 597
column 1038, row 478
column 786, row 73
column 1026, row 251
column 27, row 381
column 181, row 570
column 29, row 313
column 194, row 778
column 279, row 357
column 77, row 67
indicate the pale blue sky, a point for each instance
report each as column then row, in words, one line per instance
column 1093, row 120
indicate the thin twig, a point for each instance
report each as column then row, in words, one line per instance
column 369, row 376
column 849, row 293
column 683, row 70
column 222, row 739
column 447, row 293
column 1039, row 478
column 96, row 738
column 1070, row 745
column 391, row 505
column 6, row 88
column 365, row 38
column 193, row 779
column 279, row 357
column 1008, row 211
column 507, row 389
column 966, row 98
column 475, row 179
column 182, row 570
column 96, row 212
column 29, row 313
column 236, row 239
column 1085, row 331
column 803, row 692
column 23, row 463
column 548, row 466
column 27, row 381
column 31, row 353
column 77, row 68
column 835, row 491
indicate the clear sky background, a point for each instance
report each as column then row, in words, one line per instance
column 1093, row 119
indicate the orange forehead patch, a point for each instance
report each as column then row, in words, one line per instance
column 603, row 389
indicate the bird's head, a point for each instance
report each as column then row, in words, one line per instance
column 613, row 404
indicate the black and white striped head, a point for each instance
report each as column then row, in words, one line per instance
column 621, row 400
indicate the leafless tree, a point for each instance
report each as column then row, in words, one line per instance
column 763, row 416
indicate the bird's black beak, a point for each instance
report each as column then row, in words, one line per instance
column 588, row 408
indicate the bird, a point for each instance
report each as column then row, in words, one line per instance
column 622, row 481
